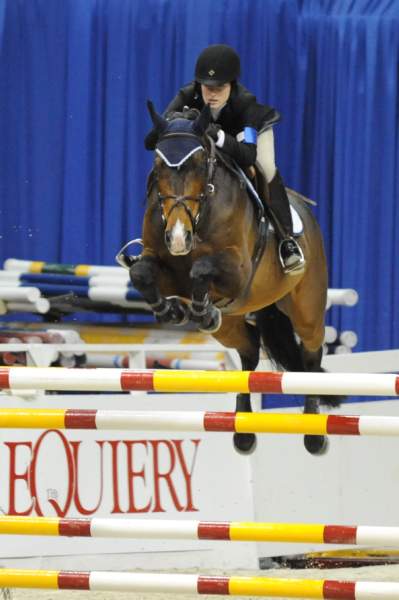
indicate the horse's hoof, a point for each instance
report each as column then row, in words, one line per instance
column 316, row 444
column 214, row 323
column 332, row 401
column 178, row 313
column 244, row 443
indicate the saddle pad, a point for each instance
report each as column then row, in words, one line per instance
column 297, row 224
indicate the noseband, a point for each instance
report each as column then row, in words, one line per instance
column 181, row 201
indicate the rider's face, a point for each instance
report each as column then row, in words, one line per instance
column 216, row 96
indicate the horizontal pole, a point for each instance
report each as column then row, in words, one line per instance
column 107, row 380
column 201, row 530
column 195, row 421
column 178, row 583
column 31, row 266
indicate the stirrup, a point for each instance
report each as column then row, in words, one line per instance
column 127, row 260
column 299, row 265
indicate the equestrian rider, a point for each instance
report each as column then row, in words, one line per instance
column 242, row 129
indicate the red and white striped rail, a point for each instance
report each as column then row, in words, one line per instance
column 201, row 530
column 176, row 583
column 192, row 421
column 111, row 380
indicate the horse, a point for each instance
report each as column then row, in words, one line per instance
column 202, row 261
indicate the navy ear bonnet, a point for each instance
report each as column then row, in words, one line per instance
column 174, row 147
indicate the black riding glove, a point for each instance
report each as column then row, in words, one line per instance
column 213, row 131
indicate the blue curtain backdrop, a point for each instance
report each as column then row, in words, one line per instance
column 74, row 77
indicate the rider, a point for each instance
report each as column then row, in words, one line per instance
column 242, row 129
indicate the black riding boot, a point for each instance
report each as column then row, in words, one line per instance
column 290, row 253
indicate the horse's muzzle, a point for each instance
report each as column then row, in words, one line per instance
column 179, row 243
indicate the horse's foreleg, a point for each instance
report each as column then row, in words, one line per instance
column 236, row 333
column 203, row 312
column 227, row 272
column 145, row 275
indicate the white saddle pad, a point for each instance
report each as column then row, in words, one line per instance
column 297, row 225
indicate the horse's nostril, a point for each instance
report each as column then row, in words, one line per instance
column 189, row 237
column 167, row 237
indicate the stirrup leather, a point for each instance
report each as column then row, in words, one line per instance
column 300, row 263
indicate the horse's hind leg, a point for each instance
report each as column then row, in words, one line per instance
column 315, row 444
column 236, row 333
column 306, row 308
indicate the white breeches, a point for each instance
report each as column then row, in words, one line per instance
column 265, row 153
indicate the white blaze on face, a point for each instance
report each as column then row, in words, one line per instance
column 178, row 239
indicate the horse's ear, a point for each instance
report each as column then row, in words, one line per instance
column 202, row 121
column 159, row 122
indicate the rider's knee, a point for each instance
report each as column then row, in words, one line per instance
column 265, row 154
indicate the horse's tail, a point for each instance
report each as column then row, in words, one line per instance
column 278, row 338
column 280, row 343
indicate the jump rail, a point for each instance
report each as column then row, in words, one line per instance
column 198, row 584
column 17, row 267
column 111, row 380
column 201, row 530
column 192, row 421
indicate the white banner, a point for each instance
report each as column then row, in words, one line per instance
column 67, row 473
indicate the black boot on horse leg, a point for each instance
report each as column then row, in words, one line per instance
column 278, row 206
column 244, row 443
column 315, row 444
column 203, row 312
column 318, row 444
column 144, row 275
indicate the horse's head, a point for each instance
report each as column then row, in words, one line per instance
column 183, row 172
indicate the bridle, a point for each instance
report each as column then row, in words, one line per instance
column 201, row 199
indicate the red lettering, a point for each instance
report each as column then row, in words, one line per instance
column 133, row 475
column 71, row 475
column 79, row 507
column 171, row 465
column 14, row 477
column 187, row 473
column 115, row 476
column 156, row 444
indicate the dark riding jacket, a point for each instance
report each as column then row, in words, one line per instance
column 241, row 110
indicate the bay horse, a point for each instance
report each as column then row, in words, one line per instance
column 201, row 262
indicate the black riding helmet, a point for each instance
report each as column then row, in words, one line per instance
column 217, row 64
